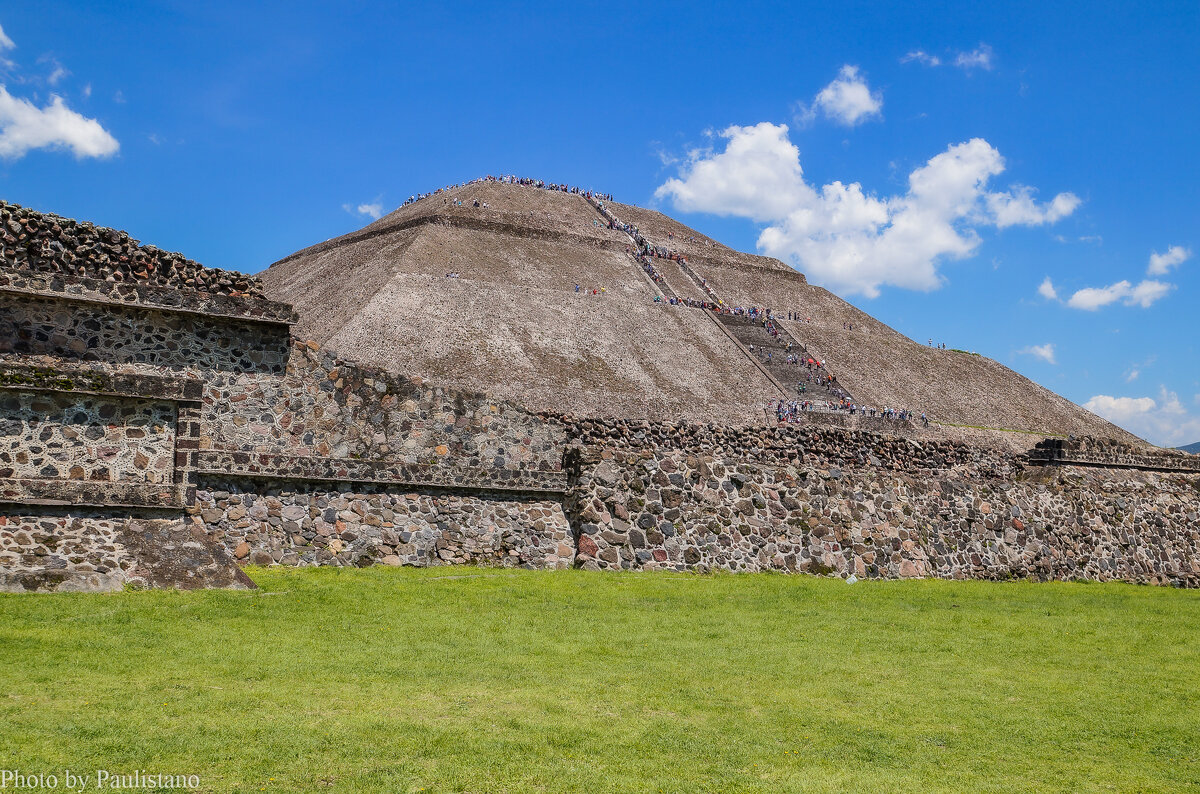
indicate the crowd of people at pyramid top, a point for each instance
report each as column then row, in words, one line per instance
column 512, row 180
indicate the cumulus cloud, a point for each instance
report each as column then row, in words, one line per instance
column 840, row 235
column 372, row 210
column 1017, row 207
column 24, row 127
column 1161, row 264
column 978, row 58
column 1044, row 352
column 848, row 99
column 922, row 57
column 1143, row 294
column 1164, row 421
column 1147, row 292
column 1092, row 298
column 1046, row 290
column 758, row 176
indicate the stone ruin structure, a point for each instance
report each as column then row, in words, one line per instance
column 161, row 426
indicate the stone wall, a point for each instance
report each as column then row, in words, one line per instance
column 118, row 399
column 324, row 407
column 355, row 524
column 788, row 443
column 101, row 550
column 1110, row 454
column 152, row 337
column 51, row 244
column 686, row 510
column 267, row 393
column 85, row 437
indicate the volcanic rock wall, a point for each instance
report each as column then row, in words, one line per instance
column 46, row 243
column 140, row 396
column 321, row 524
column 871, row 506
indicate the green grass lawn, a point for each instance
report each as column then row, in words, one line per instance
column 460, row 679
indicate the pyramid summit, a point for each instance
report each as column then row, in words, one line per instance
column 563, row 300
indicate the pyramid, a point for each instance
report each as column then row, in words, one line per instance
column 527, row 293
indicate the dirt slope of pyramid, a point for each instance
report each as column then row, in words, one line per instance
column 512, row 322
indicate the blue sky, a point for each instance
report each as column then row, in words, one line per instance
column 939, row 162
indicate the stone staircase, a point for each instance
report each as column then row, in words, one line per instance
column 647, row 267
column 643, row 263
column 753, row 331
column 772, row 352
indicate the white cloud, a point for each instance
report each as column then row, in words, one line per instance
column 1160, row 264
column 57, row 71
column 840, row 235
column 1044, row 352
column 1119, row 409
column 848, row 99
column 1017, row 207
column 1135, row 371
column 5, row 42
column 664, row 157
column 1046, row 290
column 87, row 91
column 1092, row 298
column 24, row 126
column 1143, row 294
column 922, row 57
column 978, row 58
column 1164, row 421
column 1147, row 292
column 758, row 176
column 373, row 210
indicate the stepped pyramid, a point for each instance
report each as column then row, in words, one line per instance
column 546, row 306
